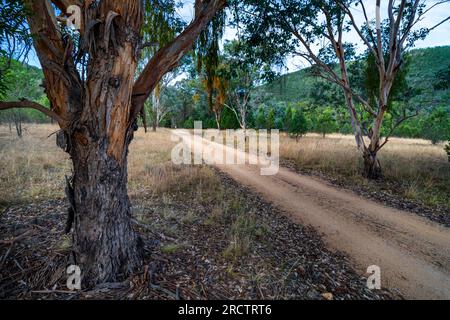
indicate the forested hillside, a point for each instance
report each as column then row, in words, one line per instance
column 426, row 71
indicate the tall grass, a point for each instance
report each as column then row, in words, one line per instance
column 34, row 167
column 420, row 168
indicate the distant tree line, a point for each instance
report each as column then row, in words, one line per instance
column 321, row 111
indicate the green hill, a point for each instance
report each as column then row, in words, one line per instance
column 424, row 66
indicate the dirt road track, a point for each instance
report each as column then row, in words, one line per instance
column 412, row 252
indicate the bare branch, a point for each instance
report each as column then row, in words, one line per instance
column 61, row 75
column 371, row 47
column 64, row 4
column 369, row 30
column 27, row 104
column 379, row 41
column 397, row 124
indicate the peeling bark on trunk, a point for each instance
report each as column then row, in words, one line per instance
column 105, row 245
column 97, row 111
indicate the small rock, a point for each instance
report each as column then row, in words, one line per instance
column 327, row 296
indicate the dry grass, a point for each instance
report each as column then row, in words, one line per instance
column 34, row 167
column 418, row 167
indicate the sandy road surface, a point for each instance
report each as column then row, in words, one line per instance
column 412, row 252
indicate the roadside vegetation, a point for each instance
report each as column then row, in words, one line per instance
column 132, row 64
column 415, row 170
column 253, row 253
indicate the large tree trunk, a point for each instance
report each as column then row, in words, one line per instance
column 97, row 111
column 105, row 245
column 156, row 106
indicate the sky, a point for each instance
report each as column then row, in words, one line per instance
column 439, row 37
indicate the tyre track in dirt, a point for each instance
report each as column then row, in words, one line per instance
column 412, row 252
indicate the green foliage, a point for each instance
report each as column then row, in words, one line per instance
column 326, row 122
column 298, row 124
column 437, row 126
column 270, row 121
column 208, row 54
column 423, row 67
column 161, row 24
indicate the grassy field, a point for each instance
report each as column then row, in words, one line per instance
column 34, row 167
column 255, row 252
column 412, row 168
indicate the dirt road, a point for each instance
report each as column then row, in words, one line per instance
column 412, row 252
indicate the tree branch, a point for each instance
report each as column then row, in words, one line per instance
column 168, row 57
column 61, row 77
column 397, row 124
column 27, row 104
column 64, row 4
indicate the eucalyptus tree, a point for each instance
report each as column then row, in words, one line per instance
column 209, row 66
column 95, row 97
column 319, row 31
column 243, row 74
column 161, row 24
